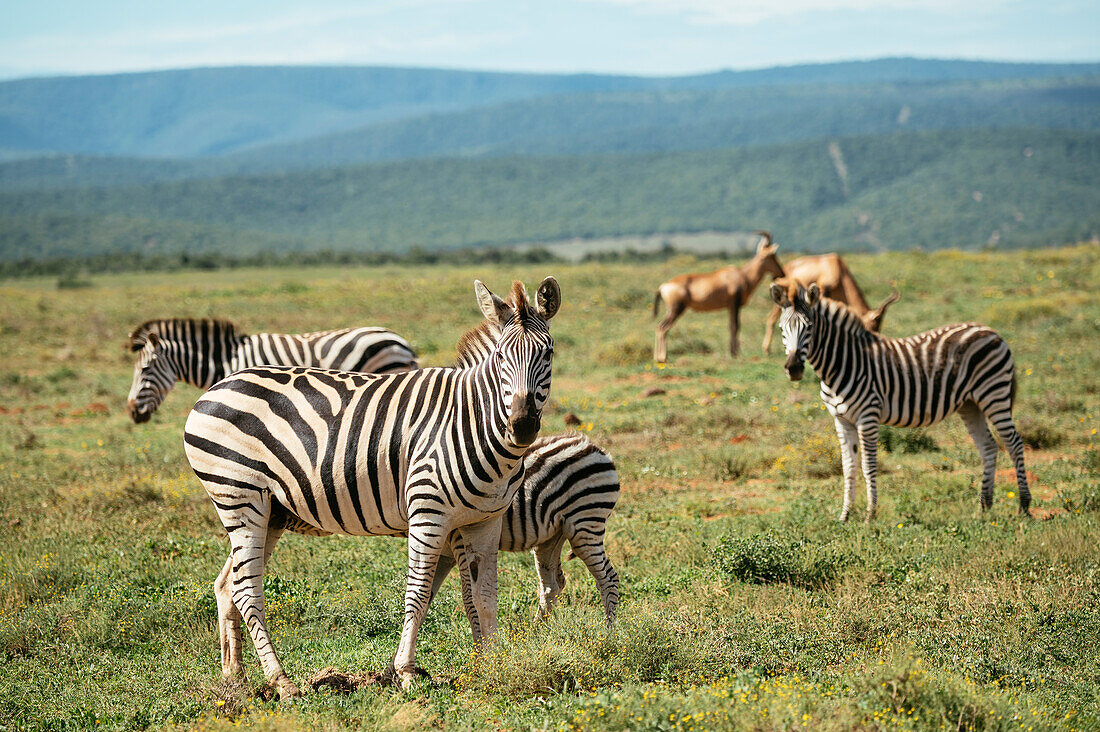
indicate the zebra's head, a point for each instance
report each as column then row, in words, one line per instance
column 153, row 376
column 523, row 352
column 794, row 323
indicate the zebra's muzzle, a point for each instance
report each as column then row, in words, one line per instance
column 525, row 420
column 138, row 416
column 795, row 367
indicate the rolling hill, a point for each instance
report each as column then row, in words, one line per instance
column 216, row 111
column 924, row 189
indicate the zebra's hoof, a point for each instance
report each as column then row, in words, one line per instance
column 287, row 689
column 410, row 676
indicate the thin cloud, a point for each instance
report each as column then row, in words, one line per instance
column 752, row 12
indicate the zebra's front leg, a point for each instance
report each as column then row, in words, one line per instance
column 425, row 546
column 868, row 438
column 551, row 578
column 849, row 450
column 482, row 542
column 462, row 560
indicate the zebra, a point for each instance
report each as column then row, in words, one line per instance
column 868, row 380
column 424, row 454
column 570, row 486
column 202, row 352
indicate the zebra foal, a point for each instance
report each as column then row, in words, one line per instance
column 868, row 380
column 570, row 487
column 435, row 455
column 203, row 351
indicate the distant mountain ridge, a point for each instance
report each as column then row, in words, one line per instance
column 216, row 111
column 916, row 190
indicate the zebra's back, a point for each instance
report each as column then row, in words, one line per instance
column 369, row 350
column 570, row 486
column 926, row 377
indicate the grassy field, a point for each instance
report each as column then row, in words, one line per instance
column 745, row 604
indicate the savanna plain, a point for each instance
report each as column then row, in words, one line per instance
column 746, row 605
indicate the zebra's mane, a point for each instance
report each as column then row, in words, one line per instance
column 846, row 319
column 163, row 326
column 476, row 343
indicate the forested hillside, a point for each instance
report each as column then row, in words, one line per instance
column 213, row 111
column 926, row 189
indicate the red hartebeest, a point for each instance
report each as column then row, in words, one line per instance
column 729, row 288
column 836, row 282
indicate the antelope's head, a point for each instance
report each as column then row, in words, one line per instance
column 154, row 375
column 524, row 352
column 794, row 323
column 872, row 319
column 765, row 255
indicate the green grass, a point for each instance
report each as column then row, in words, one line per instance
column 745, row 605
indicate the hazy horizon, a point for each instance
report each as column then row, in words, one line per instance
column 634, row 37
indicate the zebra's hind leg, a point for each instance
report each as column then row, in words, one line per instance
column 551, row 577
column 252, row 541
column 975, row 423
column 1002, row 422
column 849, row 452
column 229, row 623
column 868, row 438
column 589, row 547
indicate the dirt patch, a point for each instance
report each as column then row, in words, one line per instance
column 342, row 681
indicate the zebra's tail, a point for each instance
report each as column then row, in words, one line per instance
column 1012, row 391
column 656, row 302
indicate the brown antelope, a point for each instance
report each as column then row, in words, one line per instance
column 729, row 288
column 835, row 282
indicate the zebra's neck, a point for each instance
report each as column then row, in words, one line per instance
column 201, row 354
column 838, row 346
column 482, row 414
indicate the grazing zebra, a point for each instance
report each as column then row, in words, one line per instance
column 427, row 454
column 202, row 352
column 868, row 380
column 570, row 487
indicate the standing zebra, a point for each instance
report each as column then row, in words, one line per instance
column 202, row 352
column 868, row 380
column 435, row 455
column 570, row 486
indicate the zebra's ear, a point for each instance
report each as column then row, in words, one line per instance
column 813, row 294
column 494, row 309
column 779, row 295
column 548, row 298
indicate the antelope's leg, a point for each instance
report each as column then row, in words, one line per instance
column 674, row 312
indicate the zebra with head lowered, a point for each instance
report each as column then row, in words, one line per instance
column 434, row 455
column 868, row 380
column 203, row 352
column 570, row 487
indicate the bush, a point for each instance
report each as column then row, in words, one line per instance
column 907, row 440
column 769, row 558
column 1038, row 435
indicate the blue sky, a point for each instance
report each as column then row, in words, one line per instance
column 622, row 36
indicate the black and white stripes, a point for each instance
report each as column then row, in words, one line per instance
column 202, row 352
column 435, row 454
column 868, row 380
